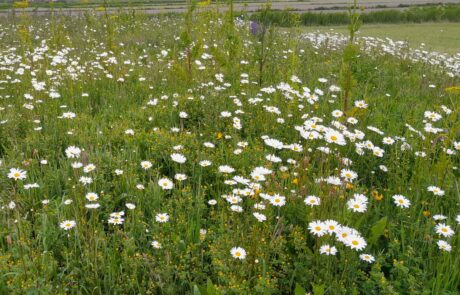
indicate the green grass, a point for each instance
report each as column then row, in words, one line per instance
column 422, row 14
column 128, row 79
column 441, row 37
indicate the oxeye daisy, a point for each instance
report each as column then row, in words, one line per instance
column 88, row 168
column 378, row 152
column 337, row 113
column 356, row 242
column 439, row 217
column 388, row 140
column 357, row 205
column 72, row 152
column 457, row 145
column 273, row 158
column 367, row 257
column 17, row 174
column 259, row 216
column 348, row 175
column 156, row 244
column 278, row 200
column 67, row 224
column 162, row 217
column 116, row 220
column 117, row 214
column 226, row 169
column 343, row 233
column 76, row 165
column 274, row 143
column 238, row 253
column 92, row 206
column 333, row 180
column 443, row 245
column 296, row 147
column 165, row 183
column 368, row 145
column 352, row 120
column 444, row 230
column 92, row 197
column 401, row 201
column 178, row 158
column 209, row 145
column 333, row 136
column 236, row 208
column 146, row 165
column 258, row 177
column 312, row 201
column 85, row 180
column 205, row 163
column 332, row 226
column 360, row 104
column 317, row 228
column 129, row 132
column 328, row 250
column 180, row 177
column 233, row 199
column 436, row 190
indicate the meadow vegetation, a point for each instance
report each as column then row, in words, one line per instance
column 208, row 154
column 421, row 14
column 441, row 37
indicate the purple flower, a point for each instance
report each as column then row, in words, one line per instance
column 255, row 28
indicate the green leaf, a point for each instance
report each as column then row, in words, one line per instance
column 318, row 289
column 377, row 229
column 211, row 289
column 196, row 290
column 299, row 290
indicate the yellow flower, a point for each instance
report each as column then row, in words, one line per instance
column 377, row 196
column 219, row 135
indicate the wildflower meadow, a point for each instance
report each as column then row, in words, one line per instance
column 205, row 153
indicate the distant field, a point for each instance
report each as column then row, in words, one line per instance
column 306, row 5
column 442, row 37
